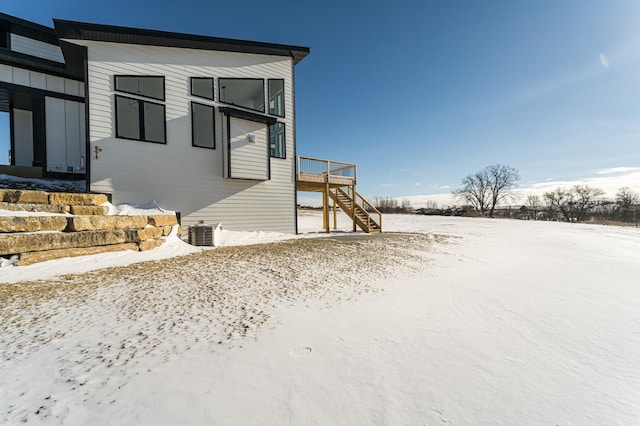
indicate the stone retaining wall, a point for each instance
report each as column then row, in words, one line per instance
column 80, row 228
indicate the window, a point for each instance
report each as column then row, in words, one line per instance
column 202, row 87
column 277, row 140
column 139, row 120
column 276, row 97
column 243, row 92
column 149, row 87
column 202, row 125
column 4, row 38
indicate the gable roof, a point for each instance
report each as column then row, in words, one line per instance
column 116, row 34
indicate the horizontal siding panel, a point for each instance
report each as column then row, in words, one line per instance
column 6, row 73
column 177, row 175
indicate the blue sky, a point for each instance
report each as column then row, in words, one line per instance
column 421, row 93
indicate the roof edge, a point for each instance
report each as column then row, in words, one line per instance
column 117, row 34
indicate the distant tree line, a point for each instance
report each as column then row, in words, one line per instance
column 482, row 193
column 391, row 205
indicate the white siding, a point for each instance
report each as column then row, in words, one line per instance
column 65, row 136
column 37, row 48
column 39, row 80
column 178, row 176
column 21, row 76
column 23, row 137
column 249, row 160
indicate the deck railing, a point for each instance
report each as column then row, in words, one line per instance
column 317, row 167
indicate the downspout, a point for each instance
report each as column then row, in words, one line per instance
column 295, row 143
column 87, row 142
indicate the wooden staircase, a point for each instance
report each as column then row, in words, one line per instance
column 357, row 207
column 337, row 180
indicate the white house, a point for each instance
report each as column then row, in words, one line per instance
column 203, row 125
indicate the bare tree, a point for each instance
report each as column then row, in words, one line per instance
column 483, row 190
column 475, row 191
column 391, row 205
column 627, row 197
column 534, row 204
column 430, row 204
column 405, row 206
column 574, row 202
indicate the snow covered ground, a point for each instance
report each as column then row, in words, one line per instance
column 462, row 321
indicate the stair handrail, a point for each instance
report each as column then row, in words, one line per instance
column 364, row 202
column 359, row 202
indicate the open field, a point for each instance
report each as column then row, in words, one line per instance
column 448, row 321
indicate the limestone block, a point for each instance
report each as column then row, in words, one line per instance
column 166, row 230
column 23, row 242
column 137, row 235
column 77, row 199
column 150, row 244
column 25, row 196
column 163, row 220
column 84, row 223
column 40, row 208
column 89, row 210
column 41, row 256
column 32, row 223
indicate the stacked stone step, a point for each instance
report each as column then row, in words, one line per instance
column 83, row 229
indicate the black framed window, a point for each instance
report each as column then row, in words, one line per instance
column 277, row 141
column 202, row 87
column 202, row 125
column 243, row 92
column 140, row 120
column 147, row 86
column 276, row 97
column 4, row 38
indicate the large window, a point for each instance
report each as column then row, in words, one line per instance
column 202, row 87
column 242, row 92
column 140, row 119
column 202, row 125
column 276, row 97
column 277, row 140
column 147, row 86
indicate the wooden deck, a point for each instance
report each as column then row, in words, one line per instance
column 337, row 181
column 315, row 174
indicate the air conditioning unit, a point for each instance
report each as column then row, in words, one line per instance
column 201, row 234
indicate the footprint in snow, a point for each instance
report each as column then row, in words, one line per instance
column 297, row 353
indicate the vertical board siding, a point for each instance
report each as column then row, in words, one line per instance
column 178, row 176
column 65, row 136
column 37, row 48
column 56, row 134
column 23, row 137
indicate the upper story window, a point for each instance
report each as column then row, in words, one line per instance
column 139, row 118
column 147, row 86
column 4, row 38
column 202, row 87
column 276, row 97
column 243, row 92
